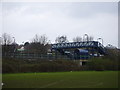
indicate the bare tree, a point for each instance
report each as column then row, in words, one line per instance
column 61, row 39
column 77, row 39
column 40, row 39
column 88, row 38
column 36, row 39
column 1, row 41
column 39, row 45
column 43, row 39
column 8, row 46
column 6, row 39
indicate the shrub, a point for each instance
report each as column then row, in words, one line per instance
column 18, row 66
column 101, row 64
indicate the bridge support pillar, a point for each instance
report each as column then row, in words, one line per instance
column 98, row 54
column 56, row 54
column 80, row 63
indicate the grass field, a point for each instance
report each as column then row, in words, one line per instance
column 81, row 79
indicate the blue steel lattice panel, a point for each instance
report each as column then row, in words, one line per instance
column 75, row 45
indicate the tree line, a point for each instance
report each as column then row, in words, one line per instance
column 39, row 44
column 7, row 39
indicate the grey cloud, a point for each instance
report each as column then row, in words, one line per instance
column 53, row 19
column 75, row 10
column 86, row 10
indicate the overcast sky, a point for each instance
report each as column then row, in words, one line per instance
column 24, row 20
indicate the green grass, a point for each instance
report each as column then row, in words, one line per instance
column 81, row 79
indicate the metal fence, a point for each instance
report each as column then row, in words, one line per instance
column 31, row 56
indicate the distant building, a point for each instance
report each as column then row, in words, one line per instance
column 21, row 49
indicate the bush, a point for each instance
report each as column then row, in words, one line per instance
column 18, row 66
column 101, row 64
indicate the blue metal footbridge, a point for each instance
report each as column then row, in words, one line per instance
column 79, row 50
